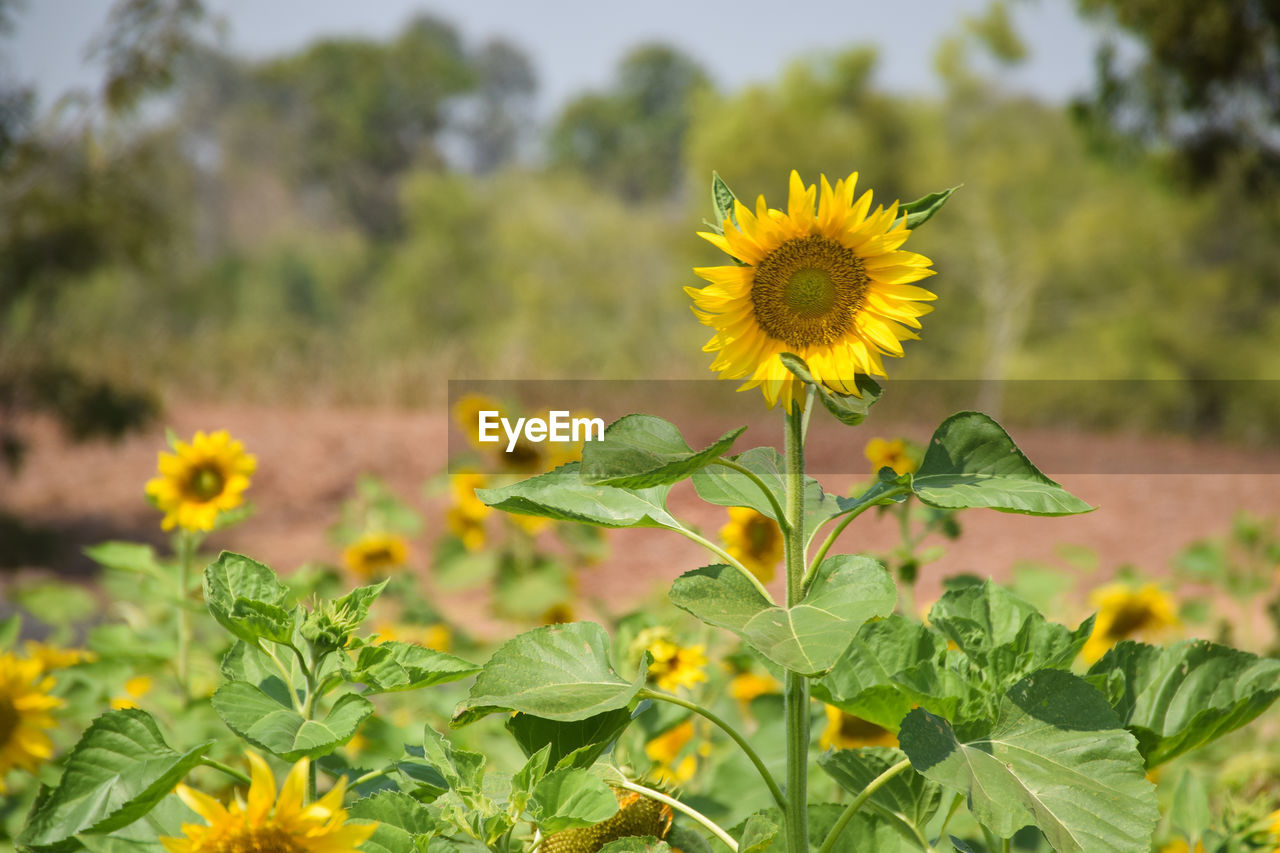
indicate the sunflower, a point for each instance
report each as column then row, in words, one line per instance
column 664, row 749
column 267, row 823
column 200, row 479
column 25, row 719
column 466, row 415
column 134, row 689
column 845, row 731
column 831, row 286
column 466, row 517
column 376, row 555
column 436, row 636
column 1126, row 612
column 895, row 454
column 55, row 657
column 676, row 666
column 755, row 540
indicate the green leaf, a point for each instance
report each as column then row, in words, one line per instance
column 461, row 768
column 1056, row 758
column 636, row 844
column 117, row 772
column 1183, row 696
column 866, row 831
column 908, row 797
column 265, row 723
column 570, row 799
column 391, row 666
column 1190, row 812
column 893, row 665
column 972, row 462
column 808, row 638
column 10, row 630
column 757, row 834
column 642, row 451
column 248, row 663
column 402, row 821
column 128, row 557
column 921, row 210
column 725, row 487
column 561, row 495
column 849, row 409
column 248, row 599
column 560, row 672
column 722, row 199
column 578, row 743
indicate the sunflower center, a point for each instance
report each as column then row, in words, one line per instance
column 9, row 719
column 857, row 729
column 260, row 839
column 808, row 291
column 205, row 483
column 760, row 535
column 1129, row 619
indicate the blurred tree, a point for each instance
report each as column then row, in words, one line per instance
column 1207, row 85
column 502, row 105
column 141, row 44
column 632, row 137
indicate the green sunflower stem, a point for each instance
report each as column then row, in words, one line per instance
column 796, row 691
column 187, row 545
column 850, row 810
column 239, row 776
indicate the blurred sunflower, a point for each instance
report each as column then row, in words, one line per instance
column 134, row 689
column 895, row 454
column 466, row 517
column 1125, row 612
column 755, row 540
column 54, row 657
column 466, row 415
column 200, row 479
column 436, row 636
column 845, row 731
column 376, row 555
column 676, row 666
column 666, row 748
column 831, row 286
column 25, row 718
column 265, row 822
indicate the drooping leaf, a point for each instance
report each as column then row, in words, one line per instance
column 562, row 495
column 808, row 638
column 264, row 722
column 849, row 409
column 248, row 599
column 642, row 451
column 580, row 741
column 972, row 462
column 724, row 487
column 1180, row 697
column 921, row 210
column 560, row 672
column 571, row 798
column 1056, row 757
column 116, row 773
column 392, row 666
column 908, row 797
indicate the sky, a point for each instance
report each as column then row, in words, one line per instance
column 575, row 45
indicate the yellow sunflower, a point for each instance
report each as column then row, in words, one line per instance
column 666, row 748
column 466, row 517
column 1124, row 612
column 466, row 415
column 830, row 285
column 676, row 666
column 895, row 454
column 755, row 540
column 845, row 731
column 25, row 718
column 200, row 479
column 376, row 555
column 436, row 636
column 267, row 823
column 134, row 689
column 55, row 657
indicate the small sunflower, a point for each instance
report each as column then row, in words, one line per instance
column 134, row 689
column 266, row 822
column 831, row 286
column 845, row 731
column 436, row 636
column 746, row 686
column 1125, row 612
column 25, row 718
column 467, row 515
column 55, row 657
column 466, row 415
column 672, row 765
column 676, row 666
column 895, row 454
column 200, row 479
column 755, row 540
column 376, row 555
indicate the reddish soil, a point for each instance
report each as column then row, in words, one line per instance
column 309, row 460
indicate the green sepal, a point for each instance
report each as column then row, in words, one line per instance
column 722, row 202
column 921, row 210
column 849, row 409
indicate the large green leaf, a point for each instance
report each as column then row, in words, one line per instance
column 578, row 743
column 118, row 771
column 1183, row 696
column 265, row 723
column 893, row 665
column 403, row 822
column 725, row 487
column 570, row 799
column 808, row 638
column 641, row 451
column 972, row 462
column 560, row 672
column 128, row 557
column 562, row 495
column 390, row 666
column 849, row 409
column 1057, row 758
column 248, row 599
column 909, row 797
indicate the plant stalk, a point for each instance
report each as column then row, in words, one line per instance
column 710, row 825
column 796, row 690
column 856, row 803
column 186, row 554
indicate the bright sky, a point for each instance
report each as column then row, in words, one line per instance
column 575, row 44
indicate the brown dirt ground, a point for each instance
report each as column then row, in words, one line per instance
column 309, row 460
